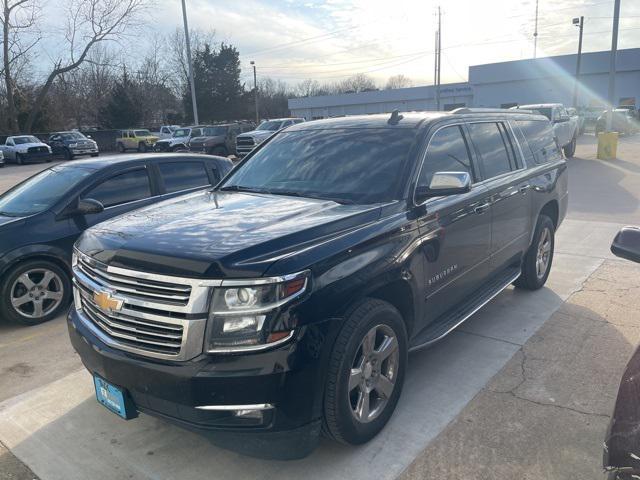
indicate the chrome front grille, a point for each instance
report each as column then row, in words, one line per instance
column 149, row 290
column 244, row 145
column 148, row 314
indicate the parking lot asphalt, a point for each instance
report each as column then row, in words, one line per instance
column 522, row 390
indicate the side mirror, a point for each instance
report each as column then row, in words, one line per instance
column 627, row 244
column 88, row 206
column 443, row 184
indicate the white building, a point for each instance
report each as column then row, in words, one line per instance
column 504, row 84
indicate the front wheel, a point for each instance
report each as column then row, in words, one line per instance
column 34, row 292
column 67, row 154
column 366, row 372
column 19, row 159
column 120, row 147
column 536, row 264
column 570, row 148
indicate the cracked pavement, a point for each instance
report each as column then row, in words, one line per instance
column 544, row 415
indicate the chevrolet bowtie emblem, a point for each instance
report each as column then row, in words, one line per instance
column 106, row 302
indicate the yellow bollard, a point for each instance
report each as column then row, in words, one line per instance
column 607, row 145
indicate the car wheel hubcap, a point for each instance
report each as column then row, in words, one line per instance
column 373, row 373
column 544, row 253
column 36, row 293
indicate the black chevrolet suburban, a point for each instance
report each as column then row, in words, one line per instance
column 283, row 302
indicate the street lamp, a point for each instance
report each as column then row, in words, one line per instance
column 255, row 90
column 578, row 22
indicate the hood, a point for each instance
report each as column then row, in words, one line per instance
column 6, row 221
column 220, row 234
column 260, row 134
column 24, row 146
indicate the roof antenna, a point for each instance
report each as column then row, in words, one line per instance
column 395, row 118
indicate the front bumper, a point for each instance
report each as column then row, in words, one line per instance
column 35, row 156
column 84, row 151
column 284, row 385
column 162, row 147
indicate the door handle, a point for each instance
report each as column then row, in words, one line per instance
column 523, row 189
column 480, row 209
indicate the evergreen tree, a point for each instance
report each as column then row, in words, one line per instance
column 122, row 109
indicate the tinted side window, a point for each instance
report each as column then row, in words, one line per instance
column 524, row 144
column 541, row 140
column 122, row 188
column 182, row 175
column 489, row 141
column 447, row 152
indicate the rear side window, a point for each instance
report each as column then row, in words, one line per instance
column 447, row 152
column 541, row 141
column 489, row 140
column 123, row 188
column 183, row 175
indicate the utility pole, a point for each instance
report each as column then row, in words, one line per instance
column 612, row 64
column 535, row 34
column 438, row 58
column 580, row 23
column 255, row 90
column 192, row 83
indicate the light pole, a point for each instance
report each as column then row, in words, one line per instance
column 612, row 63
column 579, row 22
column 255, row 90
column 193, row 86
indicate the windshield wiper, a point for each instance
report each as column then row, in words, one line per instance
column 314, row 195
column 240, row 188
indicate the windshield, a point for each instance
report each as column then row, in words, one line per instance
column 214, row 131
column 143, row 133
column 73, row 136
column 41, row 191
column 25, row 139
column 348, row 166
column 271, row 126
column 181, row 132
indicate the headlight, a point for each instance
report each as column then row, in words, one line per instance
column 242, row 314
column 73, row 145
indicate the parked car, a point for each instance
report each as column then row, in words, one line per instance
column 25, row 148
column 218, row 139
column 41, row 217
column 630, row 108
column 179, row 140
column 284, row 302
column 564, row 126
column 166, row 131
column 249, row 140
column 138, row 139
column 623, row 122
column 72, row 144
column 579, row 119
column 621, row 457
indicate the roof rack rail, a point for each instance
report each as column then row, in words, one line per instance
column 466, row 110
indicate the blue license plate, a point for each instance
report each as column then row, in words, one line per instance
column 111, row 397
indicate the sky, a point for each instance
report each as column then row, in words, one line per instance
column 330, row 40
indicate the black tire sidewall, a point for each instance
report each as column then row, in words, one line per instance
column 6, row 309
column 339, row 422
column 67, row 154
column 529, row 278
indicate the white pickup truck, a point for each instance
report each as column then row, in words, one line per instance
column 565, row 127
column 25, row 148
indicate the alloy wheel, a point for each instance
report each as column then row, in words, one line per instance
column 373, row 373
column 543, row 254
column 36, row 293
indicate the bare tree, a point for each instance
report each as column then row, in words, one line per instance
column 176, row 47
column 398, row 81
column 89, row 23
column 357, row 83
column 19, row 35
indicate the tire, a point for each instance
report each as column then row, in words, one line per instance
column 179, row 149
column 142, row 147
column 19, row 159
column 340, row 408
column 15, row 287
column 219, row 151
column 95, row 154
column 532, row 278
column 570, row 149
column 120, row 147
column 67, row 154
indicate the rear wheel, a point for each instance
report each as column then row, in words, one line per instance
column 570, row 148
column 120, row 147
column 19, row 159
column 67, row 154
column 366, row 372
column 34, row 292
column 536, row 264
column 142, row 147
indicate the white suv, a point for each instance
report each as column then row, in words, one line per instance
column 248, row 141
